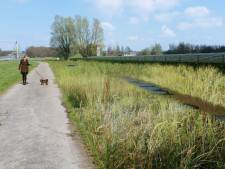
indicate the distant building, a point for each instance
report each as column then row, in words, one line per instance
column 98, row 50
column 133, row 53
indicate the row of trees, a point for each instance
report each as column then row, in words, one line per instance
column 42, row 52
column 117, row 50
column 121, row 50
column 76, row 35
column 4, row 53
column 153, row 50
column 183, row 48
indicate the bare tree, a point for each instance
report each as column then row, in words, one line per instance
column 63, row 35
column 82, row 34
column 97, row 33
column 97, row 38
column 76, row 35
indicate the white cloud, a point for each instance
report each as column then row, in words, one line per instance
column 200, row 17
column 208, row 22
column 133, row 20
column 198, row 11
column 152, row 5
column 142, row 7
column 109, row 5
column 166, row 17
column 167, row 32
column 108, row 26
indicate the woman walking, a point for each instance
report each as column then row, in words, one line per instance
column 24, row 68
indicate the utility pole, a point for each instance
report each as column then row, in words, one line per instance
column 17, row 50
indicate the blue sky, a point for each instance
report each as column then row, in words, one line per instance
column 137, row 23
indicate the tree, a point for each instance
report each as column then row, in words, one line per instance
column 128, row 49
column 82, row 34
column 97, row 33
column 122, row 50
column 97, row 38
column 156, row 49
column 146, row 51
column 73, row 36
column 109, row 50
column 88, row 39
column 63, row 35
column 183, row 48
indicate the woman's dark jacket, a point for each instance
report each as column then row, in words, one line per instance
column 24, row 66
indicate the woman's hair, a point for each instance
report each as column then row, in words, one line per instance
column 25, row 57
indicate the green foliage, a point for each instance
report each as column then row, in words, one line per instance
column 75, row 35
column 63, row 35
column 9, row 74
column 126, row 127
column 154, row 50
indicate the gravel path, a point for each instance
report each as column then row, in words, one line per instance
column 34, row 128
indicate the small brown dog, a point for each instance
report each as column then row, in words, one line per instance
column 44, row 81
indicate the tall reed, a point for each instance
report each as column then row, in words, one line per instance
column 126, row 127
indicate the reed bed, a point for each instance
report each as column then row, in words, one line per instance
column 128, row 128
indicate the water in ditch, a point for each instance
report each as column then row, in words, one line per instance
column 217, row 111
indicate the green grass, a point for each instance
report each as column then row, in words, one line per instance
column 9, row 74
column 126, row 127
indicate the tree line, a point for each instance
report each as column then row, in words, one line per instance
column 116, row 50
column 4, row 53
column 153, row 50
column 123, row 51
column 181, row 48
column 77, row 35
column 185, row 48
column 42, row 52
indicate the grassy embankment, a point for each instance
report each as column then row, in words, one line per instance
column 9, row 74
column 126, row 127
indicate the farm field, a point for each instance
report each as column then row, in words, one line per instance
column 126, row 127
column 9, row 74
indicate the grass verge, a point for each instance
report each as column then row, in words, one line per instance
column 9, row 74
